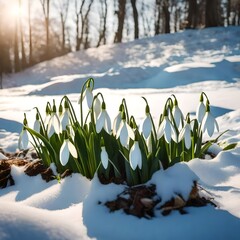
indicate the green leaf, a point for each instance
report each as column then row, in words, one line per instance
column 44, row 140
column 230, row 146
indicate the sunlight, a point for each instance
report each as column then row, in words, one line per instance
column 16, row 11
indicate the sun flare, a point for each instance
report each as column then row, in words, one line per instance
column 16, row 11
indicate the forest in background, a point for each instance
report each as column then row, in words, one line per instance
column 32, row 31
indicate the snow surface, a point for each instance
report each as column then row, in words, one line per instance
column 184, row 64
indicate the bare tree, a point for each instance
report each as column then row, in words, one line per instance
column 23, row 54
column 79, row 12
column 63, row 7
column 121, row 17
column 192, row 14
column 212, row 17
column 166, row 16
column 135, row 19
column 30, row 60
column 103, row 22
column 16, row 47
column 157, row 17
column 46, row 11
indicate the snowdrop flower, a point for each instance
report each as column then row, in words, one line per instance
column 54, row 123
column 23, row 139
column 37, row 124
column 186, row 134
column 104, row 157
column 177, row 115
column 135, row 156
column 65, row 121
column 67, row 149
column 209, row 123
column 88, row 95
column 166, row 128
column 96, row 107
column 103, row 121
column 201, row 110
column 147, row 126
column 149, row 143
column 117, row 121
column 125, row 132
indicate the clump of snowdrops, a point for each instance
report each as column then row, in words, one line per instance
column 119, row 148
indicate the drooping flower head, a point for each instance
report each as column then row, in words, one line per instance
column 167, row 129
column 67, row 148
column 177, row 113
column 87, row 94
column 147, row 123
column 54, row 123
column 135, row 156
column 185, row 134
column 125, row 132
column 201, row 109
column 23, row 138
column 209, row 123
column 117, row 120
column 96, row 106
column 65, row 120
column 37, row 124
column 103, row 121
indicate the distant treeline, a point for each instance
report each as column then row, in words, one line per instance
column 32, row 31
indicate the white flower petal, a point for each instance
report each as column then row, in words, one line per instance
column 134, row 156
column 210, row 124
column 56, row 124
column 64, row 153
column 104, row 157
column 89, row 97
column 187, row 136
column 168, row 131
column 116, row 123
column 72, row 149
column 119, row 129
column 147, row 127
column 201, row 110
column 100, row 122
column 130, row 132
column 23, row 140
column 174, row 134
column 65, row 119
column 124, row 135
column 149, row 144
column 181, row 134
column 177, row 115
column 161, row 128
column 107, row 125
column 97, row 107
column 36, row 126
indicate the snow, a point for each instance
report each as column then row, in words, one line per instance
column 184, row 64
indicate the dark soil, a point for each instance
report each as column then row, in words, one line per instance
column 32, row 167
column 143, row 201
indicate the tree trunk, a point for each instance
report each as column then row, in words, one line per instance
column 121, row 17
column 16, row 48
column 228, row 11
column 135, row 19
column 77, row 33
column 102, row 35
column 30, row 61
column 192, row 14
column 157, row 17
column 166, row 13
column 23, row 60
column 212, row 17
